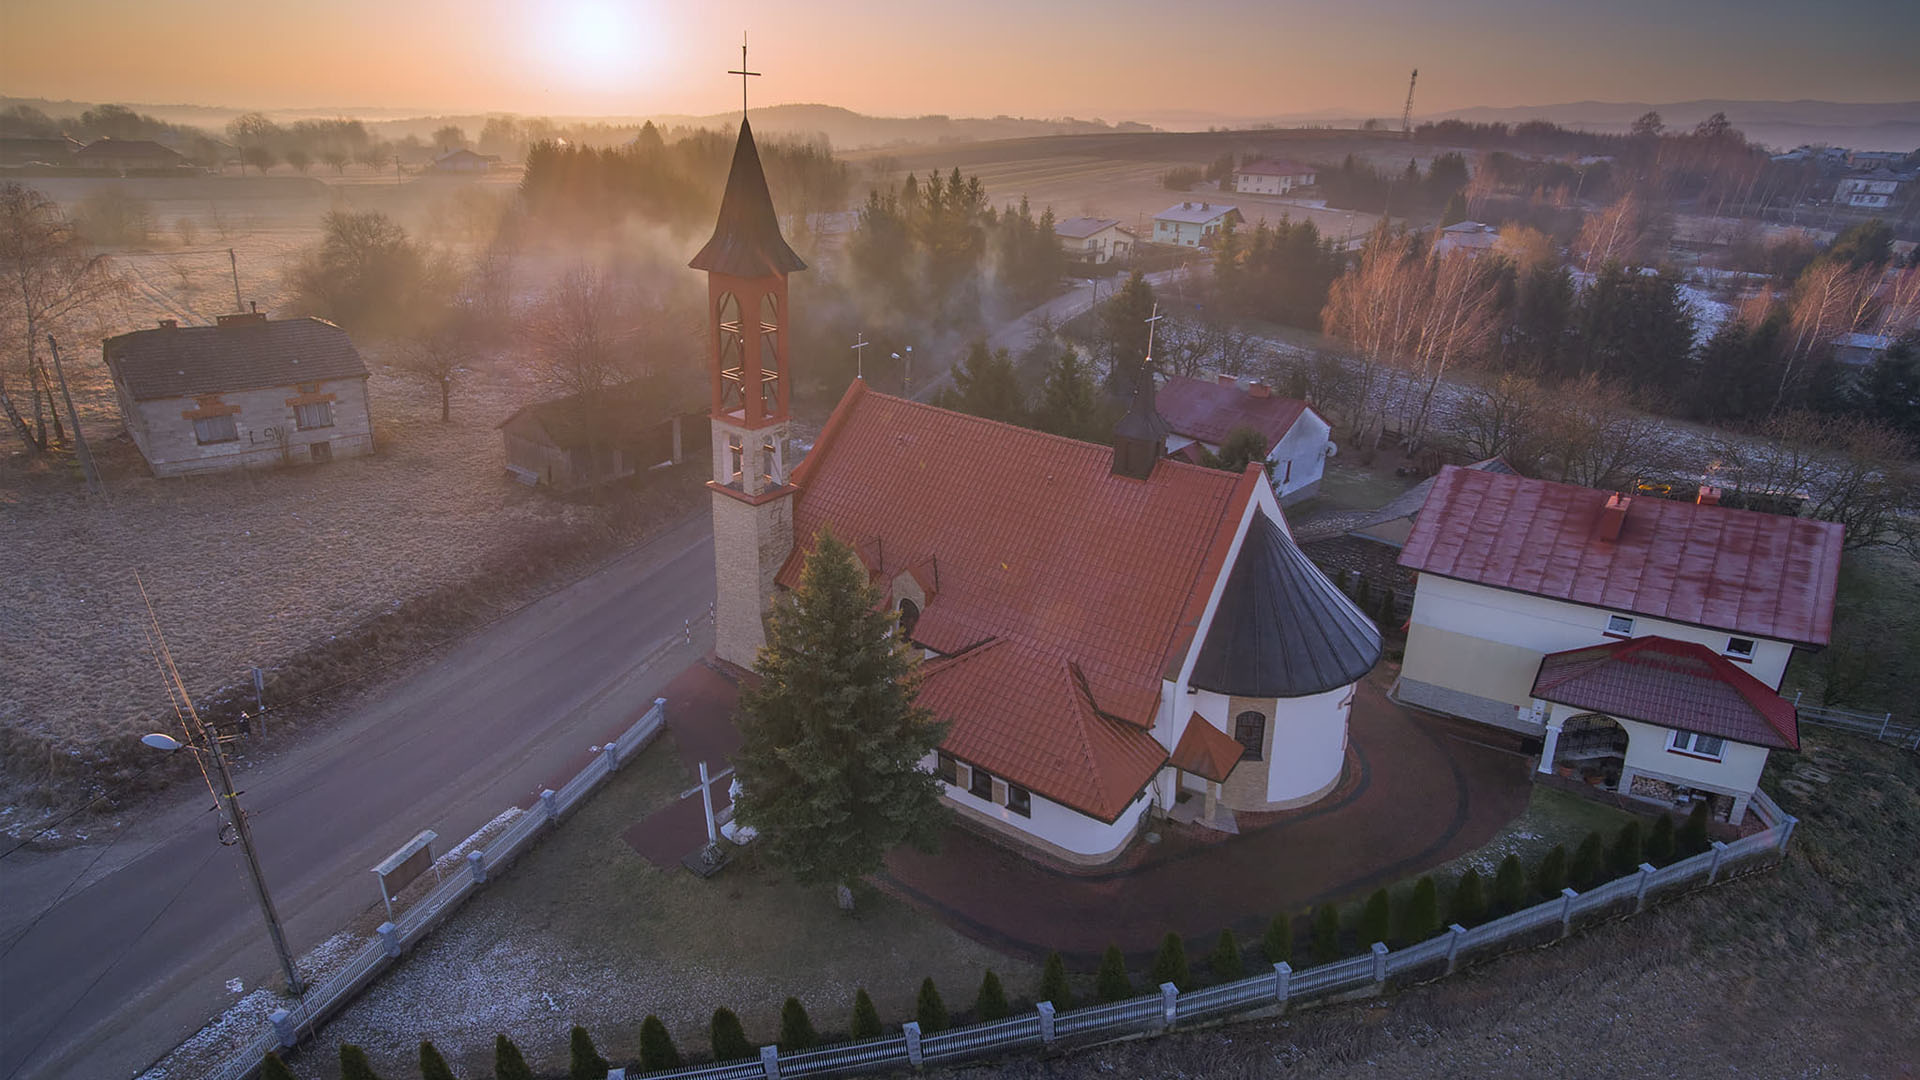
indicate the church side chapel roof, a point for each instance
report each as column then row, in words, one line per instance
column 1676, row 684
column 1062, row 588
column 1205, row 750
column 746, row 239
column 1282, row 629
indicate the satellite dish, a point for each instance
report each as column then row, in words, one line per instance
column 161, row 742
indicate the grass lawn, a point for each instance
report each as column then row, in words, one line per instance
column 1552, row 817
column 584, row 931
column 1874, row 658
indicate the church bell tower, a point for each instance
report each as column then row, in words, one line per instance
column 749, row 335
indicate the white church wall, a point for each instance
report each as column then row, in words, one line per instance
column 1055, row 827
column 1309, row 740
column 1299, row 459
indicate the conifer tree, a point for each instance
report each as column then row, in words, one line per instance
column 929, row 1010
column 1277, row 945
column 1551, row 877
column 432, row 1065
column 1659, row 847
column 1376, row 918
column 985, row 384
column 866, row 1018
column 729, row 1038
column 1456, row 211
column 833, row 736
column 1589, row 861
column 1125, row 318
column 796, row 1028
column 1053, row 983
column 1070, row 402
column 1112, row 983
column 1692, row 838
column 1170, row 963
column 1422, row 920
column 1625, row 855
column 583, row 1060
column 1469, row 904
column 1326, row 934
column 1225, row 961
column 272, row 1068
column 354, row 1064
column 508, row 1064
column 657, row 1051
column 1509, row 885
column 991, row 1002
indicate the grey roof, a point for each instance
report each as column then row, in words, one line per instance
column 1143, row 420
column 1079, row 228
column 240, row 354
column 746, row 239
column 125, row 148
column 1195, row 213
column 1282, row 629
column 1408, row 503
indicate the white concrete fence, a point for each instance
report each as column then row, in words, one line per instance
column 1045, row 1027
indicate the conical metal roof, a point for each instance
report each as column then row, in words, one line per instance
column 746, row 240
column 1143, row 420
column 1282, row 629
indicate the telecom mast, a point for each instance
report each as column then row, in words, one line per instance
column 1406, row 114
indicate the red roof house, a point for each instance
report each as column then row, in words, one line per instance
column 1201, row 413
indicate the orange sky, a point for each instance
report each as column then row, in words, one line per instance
column 1112, row 58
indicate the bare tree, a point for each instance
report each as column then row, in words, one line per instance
column 50, row 278
column 1457, row 322
column 1850, row 470
column 1828, row 300
column 1602, row 439
column 251, row 132
column 1376, row 308
column 1611, row 235
column 574, row 334
column 1511, row 418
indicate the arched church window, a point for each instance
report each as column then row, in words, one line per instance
column 1250, row 731
column 909, row 617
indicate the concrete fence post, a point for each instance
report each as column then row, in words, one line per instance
column 477, row 863
column 1640, row 887
column 1045, row 1009
column 1379, row 961
column 617, row 1073
column 1455, row 935
column 1786, row 833
column 284, row 1028
column 770, row 1061
column 1282, row 982
column 389, row 938
column 550, row 802
column 1169, row 1002
column 612, row 755
column 911, row 1029
column 1567, row 897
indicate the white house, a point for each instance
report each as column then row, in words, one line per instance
column 1193, row 224
column 1201, row 413
column 1107, row 633
column 1868, row 191
column 1271, row 177
column 1094, row 240
column 1471, row 237
column 1527, row 589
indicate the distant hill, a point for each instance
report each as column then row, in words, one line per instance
column 1783, row 124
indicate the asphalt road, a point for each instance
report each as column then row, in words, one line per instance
column 144, row 932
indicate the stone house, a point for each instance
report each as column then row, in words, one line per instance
column 246, row 392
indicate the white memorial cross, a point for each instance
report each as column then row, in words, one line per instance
column 705, row 788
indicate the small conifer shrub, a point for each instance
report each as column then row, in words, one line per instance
column 729, row 1038
column 1112, row 983
column 1469, row 904
column 1170, row 963
column 929, row 1010
column 1277, row 945
column 866, row 1018
column 991, row 1002
column 796, row 1028
column 1053, row 983
column 1326, row 934
column 1376, row 918
column 657, row 1051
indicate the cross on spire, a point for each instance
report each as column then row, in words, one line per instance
column 743, row 73
column 1156, row 317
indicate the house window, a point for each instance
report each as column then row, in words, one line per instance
column 1019, row 800
column 981, row 786
column 317, row 415
column 1250, row 731
column 1690, row 742
column 215, row 429
column 1740, row 648
column 946, row 769
column 1619, row 626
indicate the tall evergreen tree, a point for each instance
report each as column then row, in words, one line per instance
column 508, row 1064
column 1170, row 963
column 928, row 1009
column 1242, row 446
column 354, row 1064
column 1376, row 918
column 866, row 1018
column 1111, row 983
column 985, row 384
column 1625, row 855
column 657, row 1052
column 1422, row 919
column 1468, row 905
column 1589, row 862
column 796, row 1027
column 272, row 1068
column 1509, row 886
column 830, row 763
column 991, row 1002
column 1456, row 210
column 1053, row 983
column 1551, row 876
column 583, row 1059
column 1070, row 402
column 728, row 1037
column 1125, row 322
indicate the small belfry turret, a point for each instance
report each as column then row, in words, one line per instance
column 749, row 336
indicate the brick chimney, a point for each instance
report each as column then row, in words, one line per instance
column 1260, row 390
column 242, row 319
column 1709, row 496
column 1614, row 516
column 1226, row 380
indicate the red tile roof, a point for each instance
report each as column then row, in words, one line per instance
column 1063, row 590
column 1207, row 411
column 1714, row 566
column 1677, row 684
column 1205, row 750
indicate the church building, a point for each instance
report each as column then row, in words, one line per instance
column 1108, row 632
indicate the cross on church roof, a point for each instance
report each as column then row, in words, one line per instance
column 743, row 73
column 1156, row 317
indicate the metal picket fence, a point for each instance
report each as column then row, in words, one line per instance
column 1877, row 726
column 1165, row 1008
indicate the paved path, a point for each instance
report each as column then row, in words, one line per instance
column 137, row 953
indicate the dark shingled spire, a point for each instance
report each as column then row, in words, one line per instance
column 1140, row 438
column 746, row 240
column 1282, row 629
